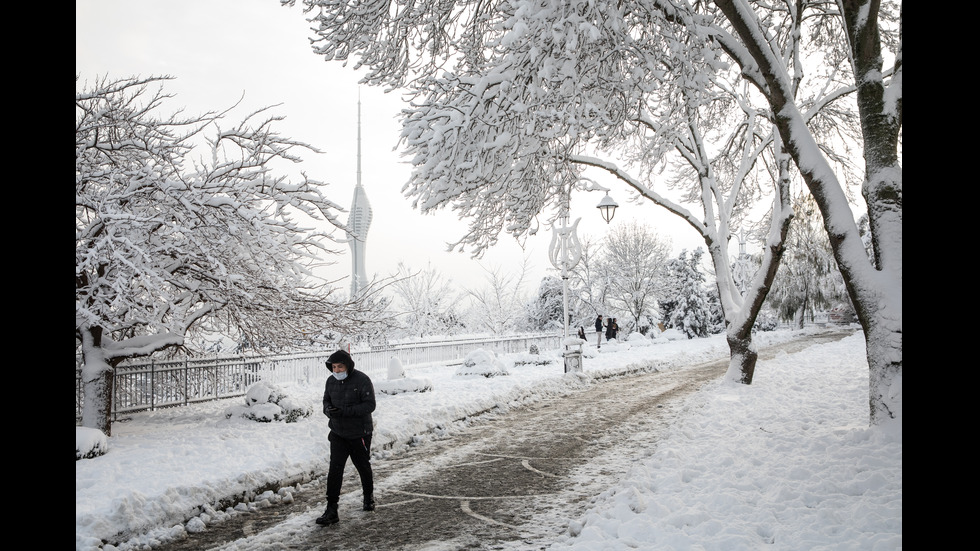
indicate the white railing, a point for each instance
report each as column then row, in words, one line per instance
column 156, row 384
column 374, row 360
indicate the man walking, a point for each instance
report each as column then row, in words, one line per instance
column 348, row 400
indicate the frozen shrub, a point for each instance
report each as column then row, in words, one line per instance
column 398, row 383
column 263, row 393
column 90, row 443
column 531, row 358
column 405, row 384
column 395, row 369
column 265, row 402
column 481, row 362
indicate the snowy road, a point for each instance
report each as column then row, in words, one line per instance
column 509, row 480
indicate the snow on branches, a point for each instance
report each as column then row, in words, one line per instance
column 166, row 242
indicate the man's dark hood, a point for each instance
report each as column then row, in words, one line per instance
column 340, row 357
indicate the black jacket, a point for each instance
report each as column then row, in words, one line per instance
column 354, row 398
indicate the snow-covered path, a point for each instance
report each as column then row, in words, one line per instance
column 786, row 463
column 509, row 480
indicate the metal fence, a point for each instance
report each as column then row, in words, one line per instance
column 158, row 384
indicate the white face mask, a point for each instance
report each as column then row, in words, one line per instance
column 340, row 375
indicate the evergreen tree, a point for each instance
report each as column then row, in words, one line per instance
column 716, row 321
column 692, row 315
column 671, row 290
column 545, row 311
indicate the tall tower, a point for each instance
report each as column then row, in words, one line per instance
column 358, row 222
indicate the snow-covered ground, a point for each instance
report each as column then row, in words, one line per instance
column 787, row 463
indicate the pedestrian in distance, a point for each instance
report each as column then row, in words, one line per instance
column 612, row 329
column 581, row 332
column 348, row 400
column 598, row 330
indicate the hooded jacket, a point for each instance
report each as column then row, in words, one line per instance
column 353, row 397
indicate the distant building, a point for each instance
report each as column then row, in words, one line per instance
column 358, row 223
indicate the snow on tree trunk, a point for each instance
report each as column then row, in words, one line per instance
column 885, row 379
column 96, row 384
column 741, row 367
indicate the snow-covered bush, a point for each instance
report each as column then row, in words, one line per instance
column 90, row 443
column 662, row 336
column 395, row 369
column 638, row 339
column 615, row 345
column 530, row 358
column 265, row 402
column 533, row 349
column 398, row 386
column 398, row 383
column 673, row 334
column 482, row 362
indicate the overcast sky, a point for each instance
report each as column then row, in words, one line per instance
column 220, row 50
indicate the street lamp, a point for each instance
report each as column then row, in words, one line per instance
column 607, row 208
column 565, row 253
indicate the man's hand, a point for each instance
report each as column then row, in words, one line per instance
column 334, row 412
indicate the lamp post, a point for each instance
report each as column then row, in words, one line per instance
column 565, row 252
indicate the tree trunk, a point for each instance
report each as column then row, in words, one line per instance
column 885, row 377
column 881, row 122
column 96, row 383
column 741, row 368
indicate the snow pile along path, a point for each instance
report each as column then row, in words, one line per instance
column 782, row 463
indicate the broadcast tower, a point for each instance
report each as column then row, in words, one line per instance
column 358, row 223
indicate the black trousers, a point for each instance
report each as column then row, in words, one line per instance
column 359, row 452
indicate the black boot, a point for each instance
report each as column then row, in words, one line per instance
column 369, row 502
column 329, row 516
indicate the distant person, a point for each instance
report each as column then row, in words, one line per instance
column 581, row 333
column 598, row 330
column 348, row 400
column 611, row 329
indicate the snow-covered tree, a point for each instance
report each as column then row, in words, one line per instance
column 692, row 313
column 716, row 315
column 513, row 98
column 634, row 259
column 589, row 283
column 168, row 246
column 583, row 102
column 545, row 311
column 809, row 278
column 873, row 29
column 497, row 307
column 427, row 303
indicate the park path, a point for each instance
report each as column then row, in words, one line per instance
column 508, row 481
